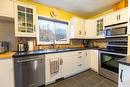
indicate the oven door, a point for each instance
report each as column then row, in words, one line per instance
column 108, row 64
column 109, row 61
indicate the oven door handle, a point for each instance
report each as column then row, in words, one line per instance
column 121, row 74
column 113, row 53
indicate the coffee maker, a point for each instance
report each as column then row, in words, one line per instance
column 22, row 47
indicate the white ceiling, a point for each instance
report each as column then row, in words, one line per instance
column 81, row 7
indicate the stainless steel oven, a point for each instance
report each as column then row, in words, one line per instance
column 109, row 65
column 116, row 30
column 108, row 58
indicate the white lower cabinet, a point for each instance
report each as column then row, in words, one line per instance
column 6, row 73
column 52, row 67
column 93, row 56
column 70, row 63
column 124, row 76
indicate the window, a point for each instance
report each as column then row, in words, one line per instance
column 52, row 31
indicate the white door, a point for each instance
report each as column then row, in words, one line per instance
column 90, row 28
column 6, row 73
column 124, row 76
column 87, row 59
column 69, row 67
column 111, row 18
column 52, row 67
column 77, row 27
column 123, row 15
column 7, row 8
column 94, row 59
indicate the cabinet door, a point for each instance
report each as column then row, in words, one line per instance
column 7, row 8
column 69, row 64
column 90, row 28
column 77, row 26
column 82, row 28
column 94, row 60
column 24, row 20
column 52, row 67
column 123, row 15
column 87, row 61
column 111, row 18
column 100, row 27
column 124, row 76
column 6, row 73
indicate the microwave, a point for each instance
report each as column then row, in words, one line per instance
column 4, row 46
column 116, row 31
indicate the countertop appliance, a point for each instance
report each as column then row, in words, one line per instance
column 108, row 58
column 29, row 71
column 116, row 30
column 22, row 47
column 4, row 46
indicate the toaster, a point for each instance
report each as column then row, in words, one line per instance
column 4, row 46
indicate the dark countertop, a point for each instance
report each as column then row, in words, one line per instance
column 41, row 52
column 125, row 61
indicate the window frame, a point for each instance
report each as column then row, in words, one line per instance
column 54, row 20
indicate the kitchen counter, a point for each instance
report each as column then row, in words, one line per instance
column 41, row 52
column 125, row 61
column 7, row 55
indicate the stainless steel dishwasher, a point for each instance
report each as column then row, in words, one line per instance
column 29, row 71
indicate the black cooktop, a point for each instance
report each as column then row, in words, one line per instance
column 115, row 51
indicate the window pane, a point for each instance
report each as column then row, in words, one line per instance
column 61, row 31
column 46, row 30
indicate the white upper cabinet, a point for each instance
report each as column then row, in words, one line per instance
column 123, row 15
column 119, row 16
column 25, row 20
column 77, row 27
column 7, row 8
column 100, row 27
column 90, row 29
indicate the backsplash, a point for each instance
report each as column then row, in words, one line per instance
column 7, row 34
column 73, row 44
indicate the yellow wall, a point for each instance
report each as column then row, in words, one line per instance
column 103, row 13
column 45, row 10
column 117, row 6
column 64, row 15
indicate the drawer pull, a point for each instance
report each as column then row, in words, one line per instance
column 80, row 65
column 79, row 52
column 80, row 57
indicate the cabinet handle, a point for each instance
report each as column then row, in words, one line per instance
column 80, row 65
column 119, row 16
column 61, row 61
column 80, row 57
column 79, row 32
column 34, row 28
column 79, row 52
column 86, row 54
column 121, row 75
column 85, row 32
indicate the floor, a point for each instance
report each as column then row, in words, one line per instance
column 85, row 79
